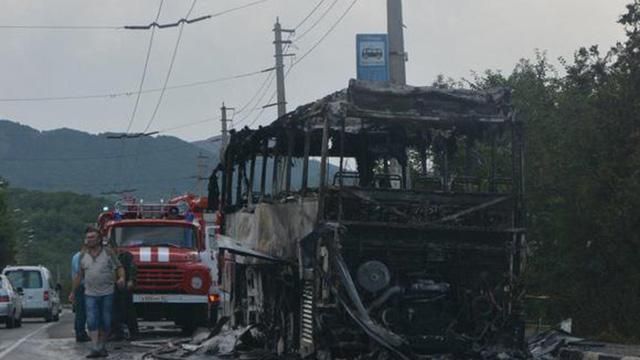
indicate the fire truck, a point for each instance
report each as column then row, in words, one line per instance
column 176, row 265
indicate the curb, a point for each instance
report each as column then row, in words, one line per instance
column 573, row 354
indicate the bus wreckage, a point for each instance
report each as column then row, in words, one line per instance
column 403, row 237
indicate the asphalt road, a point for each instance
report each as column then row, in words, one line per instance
column 37, row 339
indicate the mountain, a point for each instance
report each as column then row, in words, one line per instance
column 148, row 167
column 71, row 160
column 211, row 144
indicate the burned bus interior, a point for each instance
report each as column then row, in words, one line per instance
column 400, row 209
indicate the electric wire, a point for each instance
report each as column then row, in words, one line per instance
column 62, row 27
column 164, row 87
column 326, row 34
column 130, row 27
column 131, row 93
column 324, row 14
column 315, row 8
column 268, row 79
column 144, row 71
column 168, row 76
column 239, row 8
column 315, row 46
column 259, row 101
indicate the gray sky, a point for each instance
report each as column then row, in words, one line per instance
column 442, row 37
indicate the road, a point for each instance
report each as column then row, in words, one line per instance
column 37, row 339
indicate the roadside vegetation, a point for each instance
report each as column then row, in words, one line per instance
column 583, row 182
column 48, row 227
column 7, row 228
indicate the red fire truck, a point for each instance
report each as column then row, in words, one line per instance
column 177, row 271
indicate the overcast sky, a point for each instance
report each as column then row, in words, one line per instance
column 450, row 37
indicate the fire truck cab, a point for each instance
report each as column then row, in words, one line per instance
column 176, row 267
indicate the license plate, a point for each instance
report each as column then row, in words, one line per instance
column 152, row 298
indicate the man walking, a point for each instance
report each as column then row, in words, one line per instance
column 80, row 321
column 98, row 268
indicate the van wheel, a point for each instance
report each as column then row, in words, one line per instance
column 11, row 322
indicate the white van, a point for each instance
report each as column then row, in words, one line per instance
column 40, row 295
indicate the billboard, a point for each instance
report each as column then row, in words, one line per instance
column 372, row 57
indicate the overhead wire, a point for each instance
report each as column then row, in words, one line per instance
column 318, row 20
column 239, row 8
column 130, row 27
column 62, row 27
column 269, row 79
column 326, row 34
column 168, row 76
column 315, row 46
column 164, row 87
column 315, row 8
column 144, row 70
column 130, row 93
column 263, row 92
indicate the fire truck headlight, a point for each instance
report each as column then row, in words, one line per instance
column 196, row 282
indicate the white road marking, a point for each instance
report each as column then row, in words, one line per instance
column 25, row 338
column 145, row 254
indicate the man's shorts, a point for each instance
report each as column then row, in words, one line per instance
column 99, row 311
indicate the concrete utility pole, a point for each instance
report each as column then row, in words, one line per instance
column 282, row 100
column 202, row 169
column 397, row 55
column 225, row 131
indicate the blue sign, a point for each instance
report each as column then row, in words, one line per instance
column 372, row 57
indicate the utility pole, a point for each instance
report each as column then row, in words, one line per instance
column 202, row 169
column 397, row 55
column 225, row 130
column 280, row 166
column 282, row 99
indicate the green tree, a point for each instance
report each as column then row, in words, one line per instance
column 7, row 230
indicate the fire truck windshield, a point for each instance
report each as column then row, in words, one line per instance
column 157, row 235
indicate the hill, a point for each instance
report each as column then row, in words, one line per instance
column 149, row 167
column 71, row 160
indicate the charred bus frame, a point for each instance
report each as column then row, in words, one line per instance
column 418, row 249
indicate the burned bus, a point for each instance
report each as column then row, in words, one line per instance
column 381, row 219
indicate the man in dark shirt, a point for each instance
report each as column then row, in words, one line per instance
column 124, row 311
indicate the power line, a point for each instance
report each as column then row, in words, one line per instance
column 130, row 93
column 164, row 26
column 239, row 8
column 310, row 14
column 164, row 87
column 131, row 27
column 62, row 27
column 264, row 93
column 298, row 60
column 144, row 71
column 255, row 95
column 211, row 119
column 166, row 79
column 324, row 14
column 269, row 79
